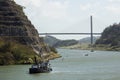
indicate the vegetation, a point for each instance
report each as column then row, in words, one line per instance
column 54, row 42
column 65, row 43
column 53, row 49
column 15, row 53
column 110, row 38
column 50, row 40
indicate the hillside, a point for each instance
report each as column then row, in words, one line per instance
column 83, row 44
column 74, row 44
column 50, row 40
column 54, row 42
column 87, row 40
column 110, row 38
column 65, row 43
column 19, row 40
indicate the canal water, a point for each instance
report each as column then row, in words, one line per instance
column 74, row 65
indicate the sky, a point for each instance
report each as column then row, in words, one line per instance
column 72, row 16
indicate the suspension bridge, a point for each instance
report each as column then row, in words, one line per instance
column 91, row 32
column 69, row 33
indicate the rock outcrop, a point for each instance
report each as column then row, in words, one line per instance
column 110, row 38
column 15, row 25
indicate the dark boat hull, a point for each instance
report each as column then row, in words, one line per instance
column 39, row 70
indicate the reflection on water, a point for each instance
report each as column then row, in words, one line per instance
column 74, row 65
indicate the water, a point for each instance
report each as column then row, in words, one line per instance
column 74, row 65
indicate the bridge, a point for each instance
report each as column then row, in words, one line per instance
column 69, row 33
column 91, row 33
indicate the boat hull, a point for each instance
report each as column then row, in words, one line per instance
column 39, row 70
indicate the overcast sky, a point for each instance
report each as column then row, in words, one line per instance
column 71, row 15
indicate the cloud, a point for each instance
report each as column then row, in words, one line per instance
column 85, row 6
column 54, row 9
column 59, row 15
column 114, row 0
column 34, row 3
column 113, row 9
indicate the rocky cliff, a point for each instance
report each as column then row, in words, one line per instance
column 15, row 24
column 110, row 38
column 16, row 27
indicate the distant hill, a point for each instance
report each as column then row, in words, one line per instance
column 54, row 42
column 87, row 40
column 64, row 43
column 83, row 44
column 110, row 38
column 50, row 40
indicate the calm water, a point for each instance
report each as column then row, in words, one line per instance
column 99, row 65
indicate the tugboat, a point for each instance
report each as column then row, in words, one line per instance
column 41, row 67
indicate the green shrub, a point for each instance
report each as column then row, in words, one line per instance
column 15, row 53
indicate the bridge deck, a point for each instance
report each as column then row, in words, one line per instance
column 69, row 33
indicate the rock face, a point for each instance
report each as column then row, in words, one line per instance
column 15, row 26
column 110, row 36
